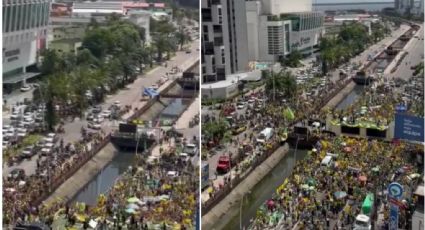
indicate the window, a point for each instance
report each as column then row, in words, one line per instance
column 34, row 13
column 21, row 16
column 46, row 15
column 12, row 18
column 28, row 16
column 287, row 38
column 4, row 18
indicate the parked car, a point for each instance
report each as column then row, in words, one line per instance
column 224, row 164
column 28, row 152
column 25, row 88
column 97, row 109
column 98, row 119
column 106, row 113
column 190, row 149
column 93, row 125
column 17, row 174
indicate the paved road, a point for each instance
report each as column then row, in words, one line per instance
column 415, row 54
column 129, row 96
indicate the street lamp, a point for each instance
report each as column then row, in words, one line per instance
column 240, row 210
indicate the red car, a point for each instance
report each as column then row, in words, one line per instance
column 224, row 164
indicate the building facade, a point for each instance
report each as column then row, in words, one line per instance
column 25, row 25
column 224, row 39
column 276, row 29
column 404, row 6
column 276, row 7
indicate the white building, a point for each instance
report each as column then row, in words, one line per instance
column 24, row 36
column 276, row 28
column 224, row 39
column 230, row 86
column 276, row 7
column 137, row 12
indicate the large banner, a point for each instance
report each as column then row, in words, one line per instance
column 409, row 127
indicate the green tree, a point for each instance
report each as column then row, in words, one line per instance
column 141, row 57
column 293, row 59
column 99, row 41
column 182, row 37
column 85, row 57
column 282, row 84
column 50, row 62
column 215, row 129
column 162, row 44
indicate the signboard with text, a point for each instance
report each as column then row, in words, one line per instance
column 409, row 127
column 395, row 192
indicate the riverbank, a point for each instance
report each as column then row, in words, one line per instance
column 212, row 217
column 341, row 95
column 86, row 172
column 84, row 175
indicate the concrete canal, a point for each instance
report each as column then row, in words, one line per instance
column 351, row 97
column 165, row 109
column 261, row 192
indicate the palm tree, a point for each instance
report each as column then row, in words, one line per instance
column 282, row 83
column 182, row 38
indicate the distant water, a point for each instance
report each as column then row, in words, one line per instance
column 378, row 6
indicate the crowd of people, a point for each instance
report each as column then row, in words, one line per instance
column 330, row 196
column 376, row 107
column 146, row 196
column 21, row 197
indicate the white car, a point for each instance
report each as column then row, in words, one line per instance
column 22, row 130
column 25, row 88
column 240, row 105
column 98, row 119
column 173, row 174
column 28, row 121
column 15, row 115
column 190, row 149
column 184, row 156
column 117, row 104
column 93, row 125
column 106, row 113
column 48, row 140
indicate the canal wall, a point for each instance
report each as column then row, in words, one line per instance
column 244, row 186
column 74, row 184
column 341, row 95
column 68, row 185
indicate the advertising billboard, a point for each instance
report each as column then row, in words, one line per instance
column 409, row 127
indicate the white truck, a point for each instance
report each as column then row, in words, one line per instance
column 265, row 135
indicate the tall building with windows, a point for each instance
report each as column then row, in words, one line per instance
column 224, row 39
column 278, row 27
column 404, row 6
column 24, row 29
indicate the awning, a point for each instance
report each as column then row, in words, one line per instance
column 19, row 77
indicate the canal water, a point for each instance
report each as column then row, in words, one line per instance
column 260, row 193
column 103, row 181
column 351, row 97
